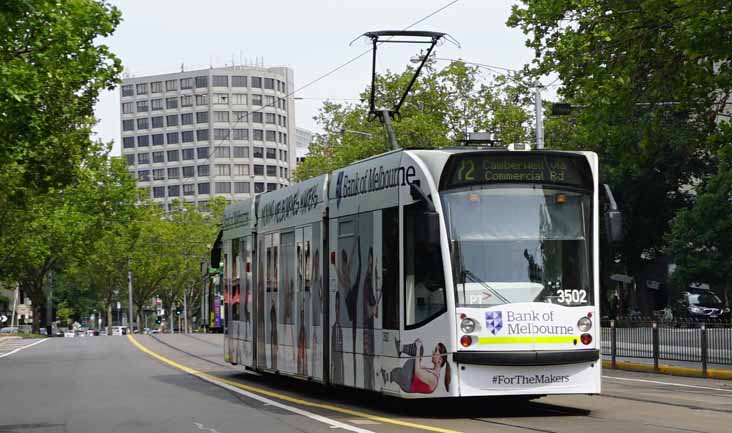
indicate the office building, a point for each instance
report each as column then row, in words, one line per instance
column 194, row 135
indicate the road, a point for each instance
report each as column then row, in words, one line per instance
column 108, row 384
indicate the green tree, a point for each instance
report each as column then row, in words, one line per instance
column 442, row 107
column 653, row 78
column 52, row 68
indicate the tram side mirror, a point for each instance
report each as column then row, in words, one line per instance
column 613, row 217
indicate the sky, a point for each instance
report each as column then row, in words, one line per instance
column 310, row 36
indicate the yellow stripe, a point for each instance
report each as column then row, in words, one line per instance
column 287, row 397
column 528, row 340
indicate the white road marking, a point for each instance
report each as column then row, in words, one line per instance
column 22, row 347
column 667, row 383
column 331, row 422
column 202, row 427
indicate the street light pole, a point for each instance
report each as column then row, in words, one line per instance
column 129, row 291
column 539, row 117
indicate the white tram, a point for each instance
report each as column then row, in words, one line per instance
column 423, row 273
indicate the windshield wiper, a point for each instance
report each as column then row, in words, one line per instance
column 475, row 279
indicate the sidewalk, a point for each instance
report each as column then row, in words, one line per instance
column 674, row 368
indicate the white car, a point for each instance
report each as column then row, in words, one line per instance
column 69, row 334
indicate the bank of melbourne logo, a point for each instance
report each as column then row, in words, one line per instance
column 339, row 189
column 494, row 321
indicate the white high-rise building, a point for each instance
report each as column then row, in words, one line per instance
column 303, row 138
column 195, row 135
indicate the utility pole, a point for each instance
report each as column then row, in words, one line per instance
column 129, row 292
column 49, row 306
column 185, row 311
column 15, row 305
column 539, row 110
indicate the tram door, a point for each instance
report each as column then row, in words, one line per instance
column 245, row 301
column 259, row 311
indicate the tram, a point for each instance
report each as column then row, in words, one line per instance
column 423, row 273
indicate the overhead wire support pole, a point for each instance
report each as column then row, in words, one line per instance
column 539, row 109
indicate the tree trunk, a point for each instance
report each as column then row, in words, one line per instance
column 109, row 318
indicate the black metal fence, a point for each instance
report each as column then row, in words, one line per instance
column 702, row 342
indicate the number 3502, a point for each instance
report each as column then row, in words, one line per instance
column 572, row 296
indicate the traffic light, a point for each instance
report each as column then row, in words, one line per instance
column 178, row 311
column 158, row 320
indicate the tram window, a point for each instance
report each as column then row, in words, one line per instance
column 287, row 277
column 235, row 282
column 390, row 267
column 424, row 281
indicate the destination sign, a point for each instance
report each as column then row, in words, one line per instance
column 491, row 167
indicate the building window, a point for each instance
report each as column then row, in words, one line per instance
column 202, row 99
column 239, row 99
column 158, row 157
column 130, row 159
column 171, row 120
column 202, row 135
column 204, row 188
column 285, row 155
column 142, row 106
column 189, row 189
column 173, row 173
column 186, row 136
column 172, row 137
column 241, row 151
column 189, row 171
column 257, row 117
column 143, row 158
column 201, row 82
column 258, row 152
column 202, row 117
column 186, row 83
column 127, row 108
column 220, row 81
column 143, row 140
column 203, row 170
column 173, row 190
column 220, row 98
column 257, row 82
column 269, row 118
column 271, row 153
column 269, row 83
column 202, row 152
column 171, row 103
column 271, row 170
column 173, row 155
column 223, row 187
column 158, row 174
column 271, row 136
column 171, row 85
column 141, row 89
column 256, row 99
column 269, row 101
column 241, row 187
column 271, row 186
column 128, row 90
column 223, row 170
column 128, row 125
column 258, row 134
column 258, row 170
column 143, row 175
column 156, row 104
column 238, row 81
column 189, row 154
column 158, row 191
column 157, row 121
column 186, row 119
column 156, row 87
column 241, row 170
column 158, row 139
column 258, row 187
column 241, row 116
column 221, row 116
column 284, row 136
column 186, row 101
column 221, row 134
column 128, row 142
column 241, row 134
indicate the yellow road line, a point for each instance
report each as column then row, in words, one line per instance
column 285, row 397
column 528, row 340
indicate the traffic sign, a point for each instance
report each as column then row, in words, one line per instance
column 3, row 318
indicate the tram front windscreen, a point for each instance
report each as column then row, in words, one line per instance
column 520, row 243
column 520, row 228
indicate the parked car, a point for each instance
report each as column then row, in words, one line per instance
column 700, row 303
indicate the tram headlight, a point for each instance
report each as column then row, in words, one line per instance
column 467, row 326
column 584, row 324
